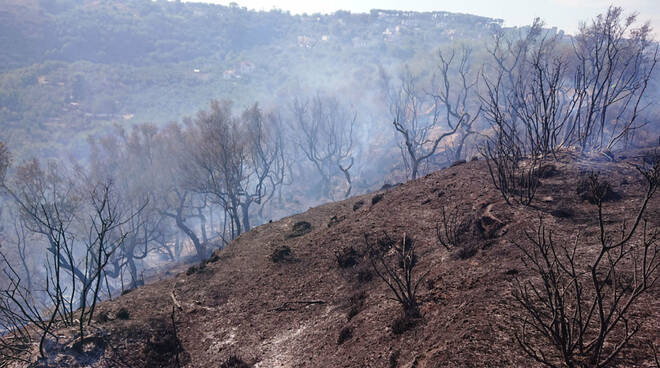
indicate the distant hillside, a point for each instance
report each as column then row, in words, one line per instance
column 70, row 68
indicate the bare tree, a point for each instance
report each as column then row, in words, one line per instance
column 576, row 314
column 238, row 161
column 81, row 222
column 325, row 136
column 420, row 118
column 615, row 62
column 454, row 89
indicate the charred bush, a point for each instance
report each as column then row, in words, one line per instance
column 394, row 359
column 334, row 220
column 345, row 334
column 355, row 304
column 579, row 312
column 364, row 275
column 404, row 323
column 515, row 176
column 347, row 257
column 563, row 212
column 282, row 254
column 300, row 228
column 377, row 198
column 102, row 317
column 358, row 205
column 453, row 228
column 234, row 361
column 595, row 190
column 398, row 270
column 547, row 171
column 465, row 251
column 123, row 314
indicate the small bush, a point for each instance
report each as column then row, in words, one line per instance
column 356, row 304
column 563, row 212
column 234, row 361
column 345, row 334
column 300, row 228
column 465, row 251
column 404, row 323
column 593, row 189
column 394, row 359
column 123, row 314
column 281, row 254
column 214, row 258
column 347, row 257
column 334, row 220
column 364, row 275
column 358, row 205
column 377, row 198
column 102, row 317
column 547, row 171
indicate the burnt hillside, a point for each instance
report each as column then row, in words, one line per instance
column 283, row 296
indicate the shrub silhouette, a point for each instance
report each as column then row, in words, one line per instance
column 300, row 228
column 345, row 334
column 398, row 270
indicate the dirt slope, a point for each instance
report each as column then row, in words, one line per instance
column 290, row 313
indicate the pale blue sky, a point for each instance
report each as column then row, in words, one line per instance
column 565, row 14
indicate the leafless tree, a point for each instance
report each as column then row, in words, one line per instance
column 578, row 314
column 81, row 221
column 325, row 132
column 174, row 192
column 615, row 62
column 239, row 160
column 455, row 89
column 421, row 118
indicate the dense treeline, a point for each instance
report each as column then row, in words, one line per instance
column 71, row 68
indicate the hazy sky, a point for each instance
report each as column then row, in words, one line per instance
column 565, row 14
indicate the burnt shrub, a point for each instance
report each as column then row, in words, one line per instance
column 593, row 189
column 282, row 254
column 345, row 334
column 397, row 270
column 377, row 198
column 355, row 304
column 394, row 359
column 300, row 228
column 334, row 220
column 547, row 171
column 364, row 275
column 102, row 317
column 123, row 314
column 163, row 347
column 465, row 251
column 234, row 361
column 347, row 257
column 563, row 212
column 358, row 205
column 404, row 323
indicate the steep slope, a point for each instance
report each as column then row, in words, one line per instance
column 290, row 313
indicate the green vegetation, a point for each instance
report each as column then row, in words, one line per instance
column 69, row 69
